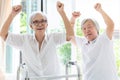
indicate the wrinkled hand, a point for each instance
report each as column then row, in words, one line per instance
column 60, row 6
column 98, row 7
column 16, row 9
column 76, row 14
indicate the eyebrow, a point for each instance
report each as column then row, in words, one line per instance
column 38, row 19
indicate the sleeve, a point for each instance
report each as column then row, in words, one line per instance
column 15, row 40
column 105, row 38
column 59, row 38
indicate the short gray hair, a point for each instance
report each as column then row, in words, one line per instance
column 35, row 13
column 93, row 20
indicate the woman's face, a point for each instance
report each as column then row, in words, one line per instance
column 39, row 23
column 89, row 30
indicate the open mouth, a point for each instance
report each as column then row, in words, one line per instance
column 88, row 35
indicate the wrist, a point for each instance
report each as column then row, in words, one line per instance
column 12, row 15
column 100, row 10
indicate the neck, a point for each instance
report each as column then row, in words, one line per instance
column 92, row 39
column 40, row 37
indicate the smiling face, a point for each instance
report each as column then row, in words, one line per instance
column 89, row 30
column 39, row 23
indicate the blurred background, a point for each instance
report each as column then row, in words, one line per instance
column 9, row 57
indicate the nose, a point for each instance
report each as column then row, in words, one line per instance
column 39, row 24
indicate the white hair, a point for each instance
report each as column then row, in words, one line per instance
column 34, row 14
column 93, row 20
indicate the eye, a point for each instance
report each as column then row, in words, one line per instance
column 36, row 21
column 43, row 21
column 83, row 28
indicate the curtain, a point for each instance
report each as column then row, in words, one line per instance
column 5, row 6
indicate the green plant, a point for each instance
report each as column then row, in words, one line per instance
column 23, row 22
column 78, row 28
column 117, row 54
column 65, row 52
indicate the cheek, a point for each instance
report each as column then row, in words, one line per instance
column 94, row 32
column 83, row 31
column 31, row 26
column 46, row 25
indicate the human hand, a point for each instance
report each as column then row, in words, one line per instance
column 76, row 14
column 98, row 7
column 16, row 9
column 60, row 7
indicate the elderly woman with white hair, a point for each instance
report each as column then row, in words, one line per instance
column 39, row 49
column 97, row 50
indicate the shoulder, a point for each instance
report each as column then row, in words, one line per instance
column 104, row 36
column 80, row 39
column 104, row 39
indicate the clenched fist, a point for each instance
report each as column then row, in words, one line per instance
column 60, row 7
column 98, row 7
column 16, row 9
column 76, row 14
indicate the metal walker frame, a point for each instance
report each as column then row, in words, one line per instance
column 66, row 76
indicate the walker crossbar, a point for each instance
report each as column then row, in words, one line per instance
column 52, row 77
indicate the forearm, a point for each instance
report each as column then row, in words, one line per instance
column 108, row 21
column 72, row 21
column 68, row 27
column 5, row 27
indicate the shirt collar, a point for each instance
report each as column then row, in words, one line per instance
column 91, row 42
column 45, row 38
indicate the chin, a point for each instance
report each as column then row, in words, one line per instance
column 90, row 39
